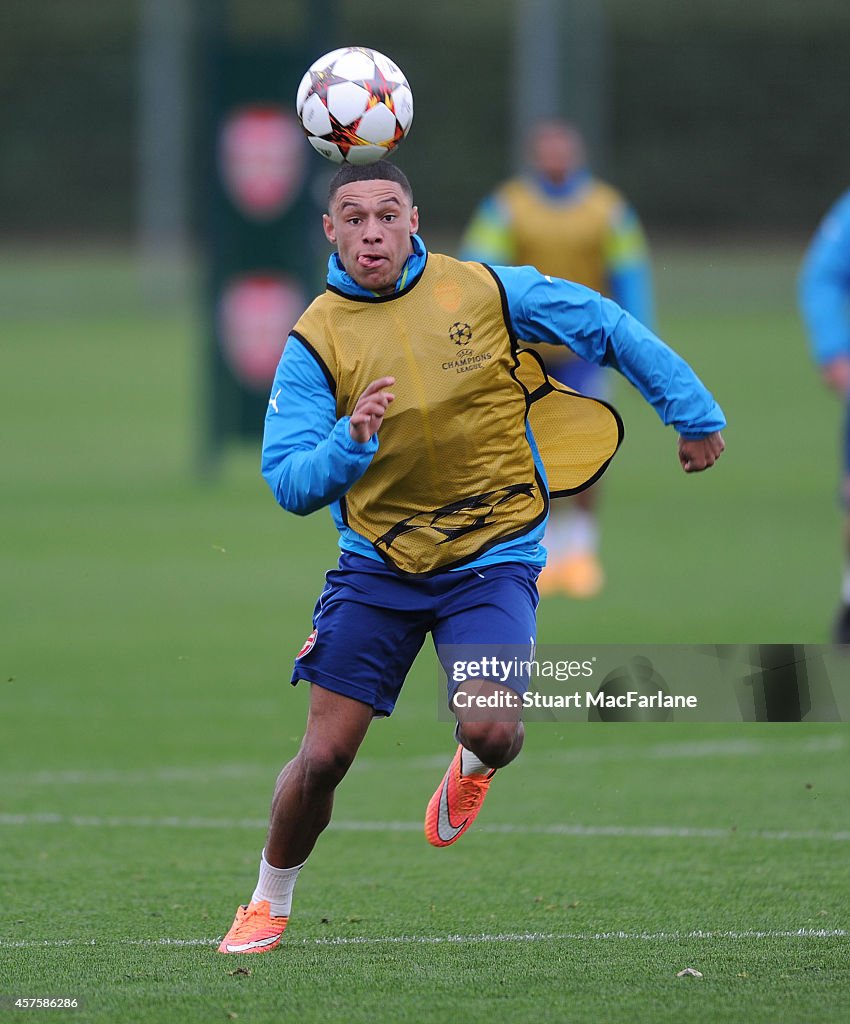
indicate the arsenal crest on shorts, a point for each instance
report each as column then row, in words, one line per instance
column 309, row 644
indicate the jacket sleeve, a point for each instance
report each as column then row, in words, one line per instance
column 489, row 236
column 824, row 286
column 549, row 309
column 627, row 266
column 309, row 457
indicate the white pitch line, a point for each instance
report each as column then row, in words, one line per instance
column 434, row 940
column 616, row 831
column 130, row 777
column 688, row 750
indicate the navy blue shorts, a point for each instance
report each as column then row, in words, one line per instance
column 370, row 623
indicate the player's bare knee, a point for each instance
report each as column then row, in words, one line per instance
column 325, row 764
column 496, row 743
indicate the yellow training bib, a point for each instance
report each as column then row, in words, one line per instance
column 454, row 472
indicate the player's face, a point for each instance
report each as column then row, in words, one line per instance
column 370, row 223
column 557, row 152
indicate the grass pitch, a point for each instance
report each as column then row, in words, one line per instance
column 149, row 623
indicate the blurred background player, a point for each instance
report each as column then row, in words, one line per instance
column 563, row 221
column 825, row 307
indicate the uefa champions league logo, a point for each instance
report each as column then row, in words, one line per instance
column 460, row 334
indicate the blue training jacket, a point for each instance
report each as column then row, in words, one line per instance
column 824, row 286
column 310, row 459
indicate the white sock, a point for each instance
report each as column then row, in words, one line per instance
column 472, row 765
column 276, row 885
column 845, row 586
column 572, row 531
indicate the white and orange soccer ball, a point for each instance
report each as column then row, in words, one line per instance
column 355, row 105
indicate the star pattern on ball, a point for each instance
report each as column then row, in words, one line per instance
column 355, row 105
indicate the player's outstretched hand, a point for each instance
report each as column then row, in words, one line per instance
column 369, row 412
column 696, row 456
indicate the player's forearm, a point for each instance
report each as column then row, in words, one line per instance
column 303, row 481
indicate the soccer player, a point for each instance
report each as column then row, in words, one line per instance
column 397, row 402
column 566, row 223
column 825, row 306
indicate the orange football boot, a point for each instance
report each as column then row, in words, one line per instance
column 581, row 575
column 578, row 575
column 254, row 930
column 455, row 805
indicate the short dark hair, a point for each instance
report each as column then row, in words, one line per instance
column 383, row 170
